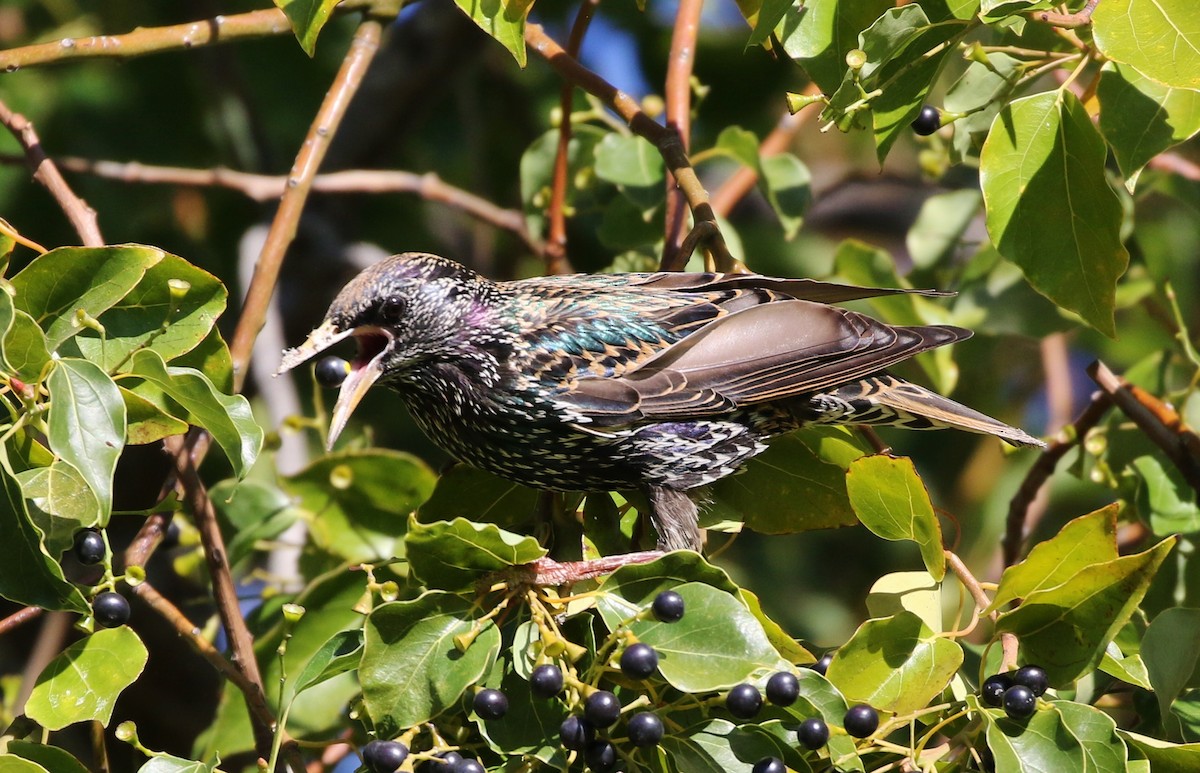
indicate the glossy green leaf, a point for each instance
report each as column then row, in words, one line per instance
column 632, row 588
column 51, row 758
column 531, row 726
column 83, row 682
column 941, row 225
column 87, row 424
column 152, row 315
column 787, row 184
column 762, row 16
column 455, row 555
column 31, row 576
column 1096, row 734
column 468, row 492
column 890, row 500
column 7, row 311
column 169, row 763
column 895, row 664
column 504, row 20
column 226, row 417
column 979, row 93
column 1164, row 756
column 992, row 10
column 60, row 502
column 1127, row 668
column 818, row 34
column 25, row 348
column 634, row 166
column 251, row 512
column 56, row 286
column 307, row 17
column 1164, row 497
column 818, row 697
column 785, row 645
column 340, row 654
column 146, row 422
column 1141, row 118
column 411, row 670
column 716, row 644
column 1061, row 736
column 11, row 763
column 1082, row 542
column 719, row 746
column 739, row 144
column 1042, row 150
column 1065, row 628
column 210, row 357
column 802, row 475
column 1171, row 651
column 359, row 501
column 915, row 592
column 1160, row 38
column 537, row 173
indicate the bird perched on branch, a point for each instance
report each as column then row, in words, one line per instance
column 662, row 382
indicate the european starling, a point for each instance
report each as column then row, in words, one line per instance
column 663, row 382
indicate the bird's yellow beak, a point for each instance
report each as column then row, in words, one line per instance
column 365, row 370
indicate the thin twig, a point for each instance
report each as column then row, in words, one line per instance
column 1176, row 164
column 1008, row 641
column 1019, row 524
column 1080, row 18
column 82, row 217
column 547, row 571
column 556, row 239
column 678, row 94
column 19, row 618
column 304, row 169
column 666, row 140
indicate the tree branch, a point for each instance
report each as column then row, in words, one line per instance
column 299, row 184
column 1008, row 641
column 19, row 618
column 1080, row 18
column 666, row 140
column 82, row 217
column 678, row 92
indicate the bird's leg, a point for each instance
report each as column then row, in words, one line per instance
column 675, row 518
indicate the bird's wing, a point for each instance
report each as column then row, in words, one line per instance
column 800, row 289
column 761, row 353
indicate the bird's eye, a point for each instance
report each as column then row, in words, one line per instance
column 393, row 308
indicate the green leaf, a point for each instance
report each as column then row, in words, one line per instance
column 1063, row 736
column 149, row 315
column 250, row 512
column 1171, row 651
column 762, row 16
column 979, row 94
column 1127, row 668
column 587, row 191
column 146, row 422
column 56, row 286
column 818, row 697
column 531, row 726
column 468, row 492
column 340, row 654
column 411, row 670
column 60, row 503
column 169, row 763
column 802, row 475
column 787, row 184
column 1165, row 757
column 87, row 424
column 719, row 746
column 634, row 166
column 819, row 33
column 457, row 554
column 716, row 644
column 1096, row 734
column 941, row 226
column 994, row 10
column 632, row 588
column 504, row 20
column 1049, row 207
column 895, row 664
column 51, row 758
column 1141, row 118
column 785, row 645
column 915, row 592
column 1160, row 38
column 31, row 576
column 10, row 763
column 890, row 500
column 1082, row 542
column 1164, row 498
column 1065, row 628
column 83, row 682
column 739, row 144
column 307, row 17
column 25, row 349
column 226, row 417
column 360, row 501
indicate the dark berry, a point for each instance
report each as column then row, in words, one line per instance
column 822, row 665
column 783, row 688
column 861, row 721
column 645, row 729
column 601, row 708
column 769, row 765
column 813, row 733
column 668, row 606
column 546, row 681
column 1033, row 677
column 491, row 704
column 992, row 689
column 575, row 732
column 469, row 766
column 639, row 661
column 446, row 762
column 1019, row 701
column 601, row 756
column 928, row 121
column 110, row 609
column 331, row 371
column 744, row 701
column 89, row 546
column 384, row 756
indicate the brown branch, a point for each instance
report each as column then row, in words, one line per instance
column 299, row 184
column 19, row 618
column 556, row 239
column 1176, row 164
column 1019, row 524
column 666, row 140
column 1008, row 641
column 1081, row 18
column 1056, row 364
column 547, row 571
column 1159, row 421
column 195, row 496
column 82, row 217
column 264, row 187
column 678, row 93
column 741, row 182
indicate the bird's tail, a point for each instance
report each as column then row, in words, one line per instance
column 885, row 399
column 676, row 519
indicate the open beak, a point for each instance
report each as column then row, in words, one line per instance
column 373, row 344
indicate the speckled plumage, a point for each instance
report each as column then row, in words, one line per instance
column 664, row 382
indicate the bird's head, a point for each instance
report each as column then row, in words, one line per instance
column 403, row 312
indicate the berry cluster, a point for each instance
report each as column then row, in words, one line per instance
column 1017, row 692
column 109, row 608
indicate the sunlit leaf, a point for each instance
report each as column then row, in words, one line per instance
column 1160, row 38
column 504, row 20
column 891, row 501
column 1141, row 118
column 84, row 681
column 87, row 424
column 455, row 555
column 307, row 17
